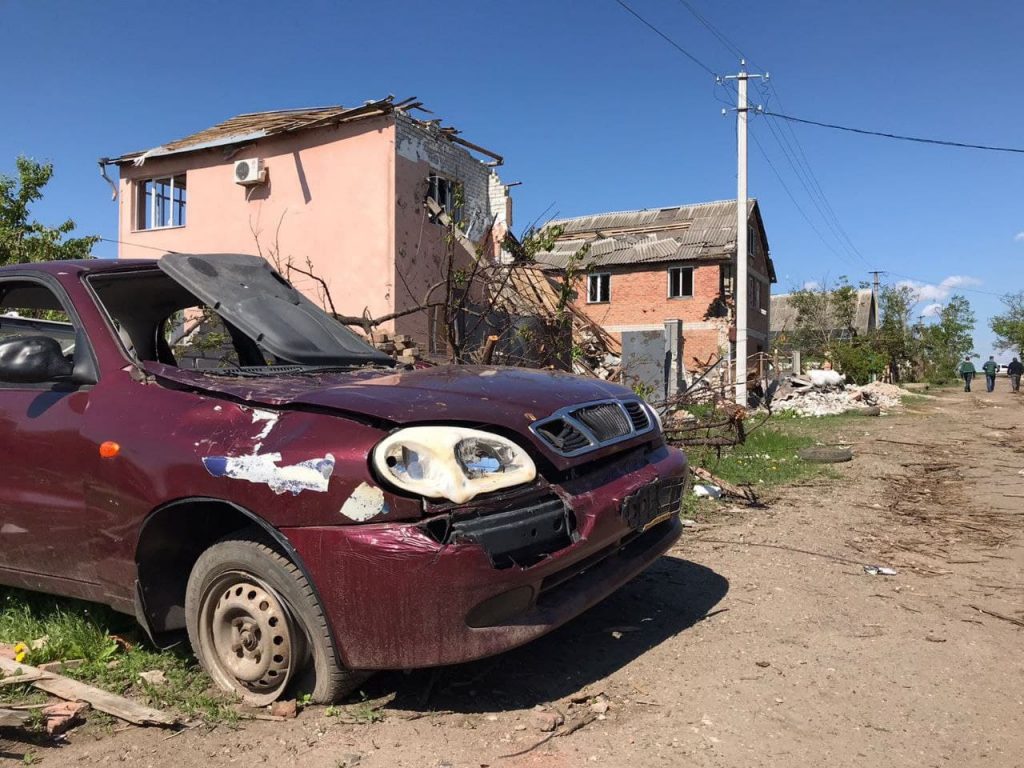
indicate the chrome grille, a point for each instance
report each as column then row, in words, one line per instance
column 637, row 415
column 605, row 421
column 588, row 426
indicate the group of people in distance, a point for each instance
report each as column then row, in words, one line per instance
column 991, row 367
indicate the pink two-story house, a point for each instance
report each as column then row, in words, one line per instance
column 335, row 191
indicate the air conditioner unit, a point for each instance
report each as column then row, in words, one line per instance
column 250, row 171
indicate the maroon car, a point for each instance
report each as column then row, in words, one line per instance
column 192, row 441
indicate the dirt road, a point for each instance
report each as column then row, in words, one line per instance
column 759, row 641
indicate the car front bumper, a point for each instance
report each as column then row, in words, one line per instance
column 396, row 598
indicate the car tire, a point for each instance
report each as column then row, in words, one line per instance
column 257, row 628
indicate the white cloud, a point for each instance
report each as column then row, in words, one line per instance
column 1019, row 237
column 934, row 292
column 811, row 285
column 932, row 310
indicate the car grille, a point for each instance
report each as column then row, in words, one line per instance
column 586, row 427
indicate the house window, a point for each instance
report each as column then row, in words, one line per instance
column 446, row 194
column 599, row 288
column 726, row 281
column 160, row 203
column 680, row 282
column 753, row 292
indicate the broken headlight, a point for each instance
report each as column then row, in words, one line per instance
column 451, row 463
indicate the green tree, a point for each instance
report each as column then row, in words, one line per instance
column 824, row 316
column 23, row 239
column 945, row 342
column 1009, row 326
column 894, row 339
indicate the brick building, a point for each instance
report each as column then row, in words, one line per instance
column 644, row 268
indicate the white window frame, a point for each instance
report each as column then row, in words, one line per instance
column 594, row 279
column 680, row 270
column 140, row 202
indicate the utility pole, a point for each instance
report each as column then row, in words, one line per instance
column 876, row 286
column 741, row 230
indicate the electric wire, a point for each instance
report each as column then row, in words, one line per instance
column 669, row 40
column 897, row 136
column 793, row 151
column 792, row 197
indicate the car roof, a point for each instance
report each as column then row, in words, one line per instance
column 78, row 266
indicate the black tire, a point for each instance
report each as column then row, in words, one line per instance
column 826, row 455
column 309, row 665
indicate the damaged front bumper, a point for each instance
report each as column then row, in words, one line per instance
column 405, row 595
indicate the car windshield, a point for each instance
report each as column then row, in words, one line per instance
column 159, row 319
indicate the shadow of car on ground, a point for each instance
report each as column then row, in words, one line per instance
column 668, row 598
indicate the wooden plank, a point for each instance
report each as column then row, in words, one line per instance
column 11, row 718
column 23, row 677
column 104, row 701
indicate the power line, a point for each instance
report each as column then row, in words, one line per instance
column 952, row 289
column 792, row 151
column 918, row 139
column 134, row 245
column 670, row 41
column 797, row 205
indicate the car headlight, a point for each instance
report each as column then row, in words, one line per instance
column 451, row 463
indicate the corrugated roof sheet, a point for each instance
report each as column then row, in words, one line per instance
column 680, row 233
column 784, row 313
column 257, row 125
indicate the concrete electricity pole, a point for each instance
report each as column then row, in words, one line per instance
column 741, row 230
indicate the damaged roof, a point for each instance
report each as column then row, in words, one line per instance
column 252, row 126
column 695, row 232
column 784, row 313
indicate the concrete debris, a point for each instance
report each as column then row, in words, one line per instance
column 287, row 709
column 154, row 677
column 702, row 489
column 828, row 396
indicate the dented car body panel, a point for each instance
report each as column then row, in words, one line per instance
column 404, row 581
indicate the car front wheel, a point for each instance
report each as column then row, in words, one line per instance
column 257, row 628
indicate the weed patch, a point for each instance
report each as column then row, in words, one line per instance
column 112, row 651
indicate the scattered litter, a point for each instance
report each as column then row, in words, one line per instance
column 688, row 523
column 703, row 489
column 73, row 690
column 763, row 664
column 723, row 487
column 879, row 570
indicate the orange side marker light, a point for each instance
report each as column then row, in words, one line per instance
column 109, row 449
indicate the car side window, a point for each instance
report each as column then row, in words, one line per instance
column 29, row 308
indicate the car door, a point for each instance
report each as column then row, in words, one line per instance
column 45, row 535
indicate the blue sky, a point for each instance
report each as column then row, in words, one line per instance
column 592, row 111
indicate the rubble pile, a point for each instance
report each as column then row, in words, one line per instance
column 808, row 397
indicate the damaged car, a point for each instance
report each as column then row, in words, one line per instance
column 192, row 441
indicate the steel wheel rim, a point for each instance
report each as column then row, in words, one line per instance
column 251, row 640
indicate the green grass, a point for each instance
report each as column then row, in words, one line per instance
column 768, row 457
column 113, row 650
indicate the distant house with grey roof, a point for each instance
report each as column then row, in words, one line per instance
column 645, row 267
column 784, row 318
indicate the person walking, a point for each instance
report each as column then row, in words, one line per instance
column 966, row 370
column 990, row 367
column 1014, row 371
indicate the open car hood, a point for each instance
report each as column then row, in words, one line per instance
column 249, row 294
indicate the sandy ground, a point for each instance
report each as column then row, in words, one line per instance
column 759, row 641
